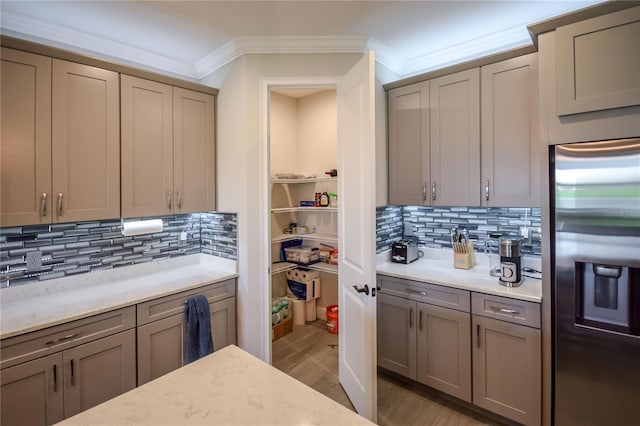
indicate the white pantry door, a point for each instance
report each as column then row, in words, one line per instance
column 356, row 230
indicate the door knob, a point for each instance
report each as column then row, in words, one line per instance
column 364, row 289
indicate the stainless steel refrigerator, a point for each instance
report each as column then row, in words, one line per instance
column 596, row 282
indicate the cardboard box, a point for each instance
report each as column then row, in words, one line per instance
column 282, row 329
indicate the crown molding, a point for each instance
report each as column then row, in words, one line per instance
column 279, row 44
column 500, row 41
column 35, row 30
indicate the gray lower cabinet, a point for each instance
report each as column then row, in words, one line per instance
column 82, row 370
column 507, row 358
column 422, row 341
column 444, row 350
column 397, row 335
column 162, row 328
column 480, row 348
column 32, row 392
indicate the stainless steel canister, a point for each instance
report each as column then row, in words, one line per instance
column 510, row 262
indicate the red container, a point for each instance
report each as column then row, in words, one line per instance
column 332, row 319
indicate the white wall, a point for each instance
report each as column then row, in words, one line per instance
column 283, row 128
column 241, row 169
column 318, row 132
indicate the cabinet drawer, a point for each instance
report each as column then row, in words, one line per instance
column 434, row 294
column 54, row 339
column 503, row 308
column 164, row 307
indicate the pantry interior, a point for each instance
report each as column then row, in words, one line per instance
column 303, row 205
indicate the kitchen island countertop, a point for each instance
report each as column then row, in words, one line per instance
column 436, row 267
column 228, row 387
column 35, row 306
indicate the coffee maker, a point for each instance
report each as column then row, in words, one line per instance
column 510, row 262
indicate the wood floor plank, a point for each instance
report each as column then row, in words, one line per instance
column 310, row 354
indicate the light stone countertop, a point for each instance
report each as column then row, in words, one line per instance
column 35, row 306
column 228, row 387
column 436, row 267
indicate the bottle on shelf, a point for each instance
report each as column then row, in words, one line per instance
column 324, row 198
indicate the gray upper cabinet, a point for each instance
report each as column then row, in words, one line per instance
column 598, row 63
column 168, row 149
column 25, row 156
column 511, row 149
column 434, row 141
column 85, row 136
column 409, row 144
column 60, row 141
column 455, row 139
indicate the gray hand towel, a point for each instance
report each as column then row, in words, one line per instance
column 199, row 341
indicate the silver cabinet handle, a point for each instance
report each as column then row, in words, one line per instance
column 486, row 190
column 61, row 339
column 410, row 317
column 179, row 199
column 60, row 203
column 418, row 292
column 504, row 310
column 43, row 204
column 424, row 192
column 433, row 191
column 169, row 199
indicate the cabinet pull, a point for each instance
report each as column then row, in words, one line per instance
column 60, row 203
column 478, row 335
column 504, row 310
column 61, row 339
column 433, row 191
column 179, row 199
column 424, row 192
column 410, row 318
column 486, row 190
column 169, row 199
column 418, row 292
column 43, row 204
column 73, row 373
column 55, row 377
column 420, row 317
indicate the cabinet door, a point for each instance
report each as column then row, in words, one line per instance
column 511, row 149
column 194, row 151
column 223, row 323
column 85, row 142
column 31, row 392
column 25, row 151
column 444, row 350
column 161, row 346
column 147, row 147
column 455, row 139
column 397, row 334
column 597, row 63
column 408, row 119
column 98, row 371
column 507, row 370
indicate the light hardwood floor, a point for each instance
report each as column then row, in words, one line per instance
column 310, row 354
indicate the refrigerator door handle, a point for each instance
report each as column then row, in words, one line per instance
column 607, row 271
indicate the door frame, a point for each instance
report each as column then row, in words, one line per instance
column 266, row 84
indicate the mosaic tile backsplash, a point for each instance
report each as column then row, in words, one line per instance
column 431, row 226
column 74, row 248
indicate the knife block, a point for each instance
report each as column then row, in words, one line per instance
column 463, row 257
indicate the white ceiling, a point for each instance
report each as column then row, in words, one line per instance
column 191, row 39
